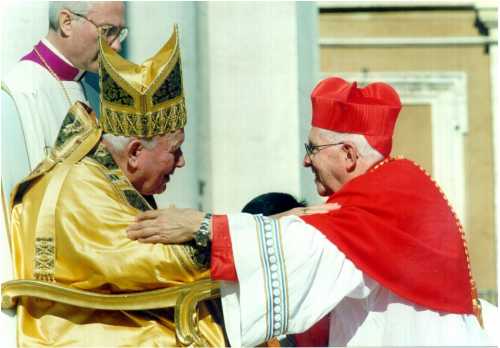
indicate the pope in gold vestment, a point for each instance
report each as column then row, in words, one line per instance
column 91, row 210
column 69, row 220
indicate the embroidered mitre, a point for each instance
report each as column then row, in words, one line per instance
column 142, row 100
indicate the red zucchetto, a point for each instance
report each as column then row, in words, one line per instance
column 371, row 111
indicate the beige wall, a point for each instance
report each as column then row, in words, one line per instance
column 414, row 127
column 473, row 60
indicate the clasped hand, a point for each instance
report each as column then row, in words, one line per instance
column 174, row 225
column 171, row 225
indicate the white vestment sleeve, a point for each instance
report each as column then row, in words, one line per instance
column 289, row 277
column 41, row 104
column 31, row 128
column 15, row 161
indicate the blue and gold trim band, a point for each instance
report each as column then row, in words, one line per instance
column 276, row 287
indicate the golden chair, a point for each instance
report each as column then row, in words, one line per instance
column 184, row 298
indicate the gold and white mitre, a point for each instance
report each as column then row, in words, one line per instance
column 142, row 100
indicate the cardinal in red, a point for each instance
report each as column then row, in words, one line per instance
column 390, row 267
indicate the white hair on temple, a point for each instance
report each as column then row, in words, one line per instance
column 80, row 7
column 362, row 145
column 120, row 142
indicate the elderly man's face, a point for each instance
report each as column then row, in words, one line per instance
column 153, row 167
column 326, row 164
column 86, row 47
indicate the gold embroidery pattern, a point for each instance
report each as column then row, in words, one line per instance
column 144, row 125
column 171, row 88
column 44, row 259
column 70, row 128
column 112, row 92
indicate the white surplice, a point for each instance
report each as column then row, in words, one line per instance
column 290, row 276
column 41, row 103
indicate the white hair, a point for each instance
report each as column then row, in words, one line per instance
column 364, row 148
column 119, row 142
column 55, row 7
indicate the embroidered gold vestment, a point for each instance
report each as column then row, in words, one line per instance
column 71, row 216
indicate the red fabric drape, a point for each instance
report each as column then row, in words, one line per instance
column 397, row 227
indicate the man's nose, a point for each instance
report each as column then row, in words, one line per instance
column 116, row 45
column 181, row 162
column 307, row 161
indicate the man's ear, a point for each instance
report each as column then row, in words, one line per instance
column 133, row 151
column 65, row 19
column 351, row 156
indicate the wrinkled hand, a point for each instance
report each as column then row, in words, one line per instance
column 168, row 226
column 313, row 209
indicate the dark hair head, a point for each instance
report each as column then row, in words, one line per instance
column 272, row 203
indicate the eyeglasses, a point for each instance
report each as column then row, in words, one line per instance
column 110, row 32
column 311, row 149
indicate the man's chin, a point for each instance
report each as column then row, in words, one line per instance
column 322, row 191
column 161, row 189
column 93, row 67
column 325, row 193
column 157, row 191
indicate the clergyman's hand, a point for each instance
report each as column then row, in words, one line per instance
column 168, row 226
column 313, row 209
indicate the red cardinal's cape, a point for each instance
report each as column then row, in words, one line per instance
column 398, row 228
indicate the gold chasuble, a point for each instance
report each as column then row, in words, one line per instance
column 91, row 204
column 68, row 226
